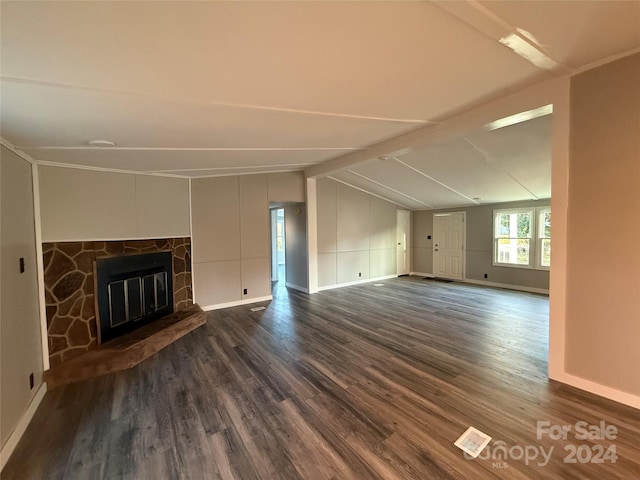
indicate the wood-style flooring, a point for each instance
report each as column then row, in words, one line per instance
column 362, row 382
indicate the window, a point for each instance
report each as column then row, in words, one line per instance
column 280, row 236
column 522, row 237
column 544, row 238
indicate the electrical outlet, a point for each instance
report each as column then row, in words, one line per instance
column 486, row 276
column 428, row 237
column 31, row 382
column 246, row 291
column 359, row 274
column 21, row 264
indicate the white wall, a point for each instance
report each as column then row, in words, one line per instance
column 81, row 204
column 356, row 235
column 230, row 237
column 603, row 227
column 20, row 337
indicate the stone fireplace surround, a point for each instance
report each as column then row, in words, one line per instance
column 69, row 288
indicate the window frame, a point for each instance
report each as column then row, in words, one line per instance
column 536, row 214
column 540, row 211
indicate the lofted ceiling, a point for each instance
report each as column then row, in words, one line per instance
column 507, row 164
column 216, row 88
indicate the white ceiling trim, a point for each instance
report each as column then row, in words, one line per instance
column 292, row 166
column 532, row 97
column 364, row 177
column 367, row 192
column 215, row 103
column 200, row 149
column 318, row 113
column 234, row 173
column 496, row 164
column 7, row 144
column 604, row 61
column 112, row 170
column 435, row 181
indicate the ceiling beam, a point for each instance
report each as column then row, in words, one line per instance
column 535, row 96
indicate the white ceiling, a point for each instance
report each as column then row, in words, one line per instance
column 212, row 88
column 508, row 164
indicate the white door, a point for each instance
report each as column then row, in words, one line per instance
column 403, row 237
column 448, row 245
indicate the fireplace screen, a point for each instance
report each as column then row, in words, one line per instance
column 134, row 298
column 132, row 290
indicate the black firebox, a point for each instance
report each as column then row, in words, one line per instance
column 132, row 290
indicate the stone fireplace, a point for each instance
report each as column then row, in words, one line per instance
column 70, row 286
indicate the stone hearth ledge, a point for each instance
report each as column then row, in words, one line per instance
column 128, row 350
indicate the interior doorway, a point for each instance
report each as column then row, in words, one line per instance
column 278, row 251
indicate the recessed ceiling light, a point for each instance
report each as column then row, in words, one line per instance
column 101, row 143
column 520, row 117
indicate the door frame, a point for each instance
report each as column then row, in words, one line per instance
column 408, row 240
column 272, row 244
column 464, row 243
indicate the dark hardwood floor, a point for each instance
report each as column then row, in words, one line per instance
column 363, row 382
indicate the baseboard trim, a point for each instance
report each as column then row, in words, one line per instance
column 420, row 274
column 297, row 287
column 508, row 286
column 16, row 435
column 484, row 283
column 599, row 389
column 357, row 282
column 246, row 301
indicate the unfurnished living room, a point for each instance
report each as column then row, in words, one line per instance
column 320, row 240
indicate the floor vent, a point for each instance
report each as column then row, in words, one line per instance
column 378, row 284
column 472, row 441
column 257, row 309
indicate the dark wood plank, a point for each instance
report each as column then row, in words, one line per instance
column 358, row 383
